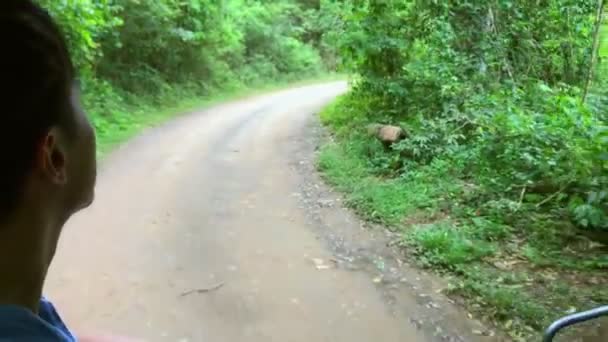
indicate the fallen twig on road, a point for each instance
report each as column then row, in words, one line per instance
column 205, row 290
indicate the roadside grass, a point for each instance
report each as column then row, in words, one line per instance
column 510, row 264
column 117, row 120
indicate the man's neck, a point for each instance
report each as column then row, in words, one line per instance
column 24, row 260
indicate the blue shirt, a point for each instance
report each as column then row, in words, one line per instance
column 20, row 324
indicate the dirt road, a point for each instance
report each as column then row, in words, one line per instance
column 214, row 227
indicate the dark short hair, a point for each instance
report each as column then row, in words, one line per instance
column 37, row 73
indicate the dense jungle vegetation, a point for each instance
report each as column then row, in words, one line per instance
column 501, row 182
column 136, row 57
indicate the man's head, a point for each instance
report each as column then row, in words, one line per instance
column 47, row 143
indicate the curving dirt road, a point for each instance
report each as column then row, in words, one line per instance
column 214, row 227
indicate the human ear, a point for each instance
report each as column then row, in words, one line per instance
column 52, row 158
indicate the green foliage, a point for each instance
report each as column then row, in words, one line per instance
column 213, row 44
column 502, row 160
column 139, row 46
column 442, row 244
column 136, row 56
column 85, row 23
column 490, row 85
column 345, row 113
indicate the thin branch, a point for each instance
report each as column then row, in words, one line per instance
column 596, row 43
column 506, row 64
column 205, row 290
column 546, row 200
column 467, row 122
column 521, row 197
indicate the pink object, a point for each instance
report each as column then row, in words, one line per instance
column 107, row 338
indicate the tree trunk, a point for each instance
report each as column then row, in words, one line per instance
column 596, row 41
